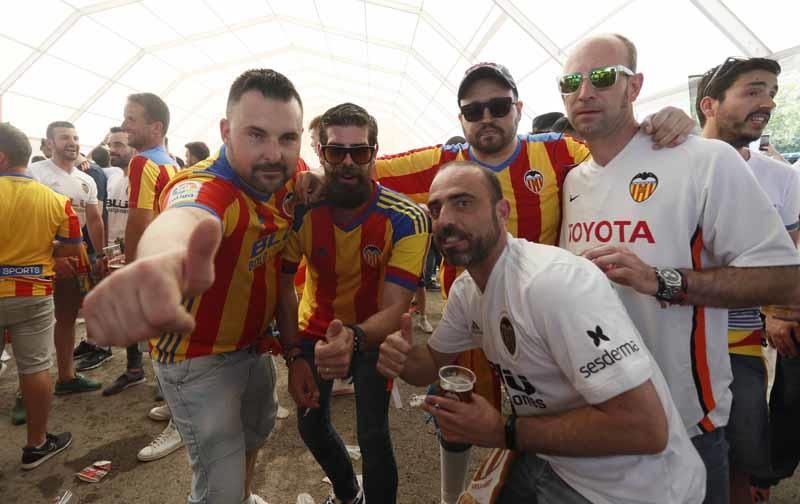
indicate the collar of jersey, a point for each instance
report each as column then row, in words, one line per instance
column 362, row 216
column 19, row 175
column 158, row 155
column 222, row 169
column 502, row 165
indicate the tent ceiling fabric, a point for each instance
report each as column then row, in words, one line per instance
column 401, row 59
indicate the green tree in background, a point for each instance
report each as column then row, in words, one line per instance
column 784, row 125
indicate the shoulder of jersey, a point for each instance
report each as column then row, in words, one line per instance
column 400, row 207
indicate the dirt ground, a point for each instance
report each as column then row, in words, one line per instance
column 115, row 428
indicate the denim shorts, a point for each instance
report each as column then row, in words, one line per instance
column 748, row 427
column 713, row 449
column 224, row 407
column 532, row 479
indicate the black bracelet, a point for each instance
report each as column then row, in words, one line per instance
column 358, row 337
column 511, row 432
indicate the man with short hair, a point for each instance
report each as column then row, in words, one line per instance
column 71, row 284
column 203, row 287
column 196, row 152
column 33, row 217
column 365, row 247
column 680, row 231
column 734, row 103
column 120, row 155
column 592, row 417
column 146, row 123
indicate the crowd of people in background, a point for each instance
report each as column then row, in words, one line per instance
column 615, row 286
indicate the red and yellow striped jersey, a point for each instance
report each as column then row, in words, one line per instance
column 239, row 305
column 148, row 174
column 531, row 179
column 33, row 216
column 347, row 265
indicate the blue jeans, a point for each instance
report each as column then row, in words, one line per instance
column 713, row 449
column 372, row 415
column 747, row 431
column 532, row 480
column 223, row 407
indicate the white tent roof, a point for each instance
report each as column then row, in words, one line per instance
column 78, row 59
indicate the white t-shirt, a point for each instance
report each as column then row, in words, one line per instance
column 117, row 205
column 694, row 206
column 781, row 183
column 552, row 327
column 79, row 187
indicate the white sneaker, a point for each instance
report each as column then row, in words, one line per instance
column 3, row 368
column 425, row 325
column 165, row 443
column 282, row 414
column 255, row 499
column 160, row 413
column 6, row 356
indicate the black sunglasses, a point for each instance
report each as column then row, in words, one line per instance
column 360, row 154
column 498, row 107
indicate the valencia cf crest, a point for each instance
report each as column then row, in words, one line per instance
column 288, row 205
column 534, row 181
column 372, row 255
column 642, row 186
column 508, row 335
column 85, row 187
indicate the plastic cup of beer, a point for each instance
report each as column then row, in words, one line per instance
column 456, row 382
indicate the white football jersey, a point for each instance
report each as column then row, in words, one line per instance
column 79, row 187
column 553, row 329
column 117, row 205
column 695, row 206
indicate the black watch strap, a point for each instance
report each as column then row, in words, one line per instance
column 359, row 337
column 511, row 432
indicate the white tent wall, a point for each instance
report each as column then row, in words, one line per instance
column 78, row 59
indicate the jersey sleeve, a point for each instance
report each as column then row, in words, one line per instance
column 587, row 331
column 453, row 334
column 410, row 242
column 69, row 228
column 790, row 211
column 142, row 180
column 209, row 195
column 752, row 238
column 410, row 173
column 91, row 199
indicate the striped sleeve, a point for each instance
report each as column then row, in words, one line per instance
column 411, row 173
column 410, row 241
column 69, row 229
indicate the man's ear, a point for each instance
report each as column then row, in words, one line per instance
column 224, row 130
column 708, row 107
column 503, row 210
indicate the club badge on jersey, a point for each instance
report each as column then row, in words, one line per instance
column 534, row 181
column 642, row 186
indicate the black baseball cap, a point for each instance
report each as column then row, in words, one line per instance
column 486, row 71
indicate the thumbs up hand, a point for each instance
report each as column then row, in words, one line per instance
column 333, row 354
column 395, row 349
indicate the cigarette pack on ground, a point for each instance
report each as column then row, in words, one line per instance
column 95, row 472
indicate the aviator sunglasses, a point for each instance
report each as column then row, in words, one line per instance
column 600, row 78
column 360, row 154
column 498, row 107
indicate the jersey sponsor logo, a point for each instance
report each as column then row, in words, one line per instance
column 618, row 231
column 185, row 192
column 116, row 203
column 642, row 186
column 519, row 387
column 12, row 271
column 507, row 334
column 608, row 358
column 372, row 255
column 534, row 181
column 597, row 336
column 258, row 252
column 85, row 187
column 287, row 205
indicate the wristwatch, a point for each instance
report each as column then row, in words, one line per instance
column 671, row 285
